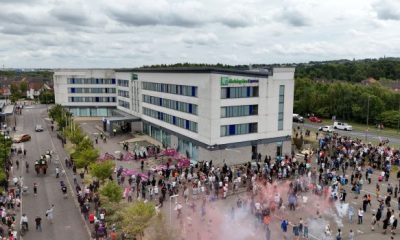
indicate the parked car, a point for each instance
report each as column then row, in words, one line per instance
column 39, row 128
column 328, row 129
column 21, row 138
column 342, row 126
column 298, row 118
column 315, row 119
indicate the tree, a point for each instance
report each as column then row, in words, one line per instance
column 112, row 191
column 102, row 170
column 46, row 97
column 15, row 93
column 137, row 217
column 85, row 157
column 23, row 87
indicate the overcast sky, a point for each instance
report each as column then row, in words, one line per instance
column 132, row 33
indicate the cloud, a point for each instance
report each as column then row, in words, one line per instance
column 387, row 9
column 294, row 17
column 121, row 33
column 200, row 39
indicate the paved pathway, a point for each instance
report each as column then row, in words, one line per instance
column 67, row 218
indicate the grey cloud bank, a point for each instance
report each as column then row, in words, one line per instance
column 119, row 33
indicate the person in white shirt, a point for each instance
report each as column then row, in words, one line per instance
column 24, row 221
column 360, row 216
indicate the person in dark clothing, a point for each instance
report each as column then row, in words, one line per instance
column 38, row 221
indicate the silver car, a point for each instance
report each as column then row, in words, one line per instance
column 39, row 128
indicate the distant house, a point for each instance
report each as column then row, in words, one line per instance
column 5, row 91
column 35, row 88
column 369, row 81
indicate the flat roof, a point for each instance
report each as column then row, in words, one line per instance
column 198, row 70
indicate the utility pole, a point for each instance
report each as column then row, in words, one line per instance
column 398, row 120
column 366, row 133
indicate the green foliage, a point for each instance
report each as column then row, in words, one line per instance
column 102, row 170
column 390, row 118
column 137, row 217
column 112, row 191
column 15, row 93
column 344, row 100
column 85, row 157
column 46, row 97
column 23, row 87
column 352, row 71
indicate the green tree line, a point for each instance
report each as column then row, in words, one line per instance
column 352, row 71
column 347, row 101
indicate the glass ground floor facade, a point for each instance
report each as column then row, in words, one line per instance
column 168, row 139
column 91, row 111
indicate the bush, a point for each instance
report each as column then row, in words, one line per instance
column 389, row 118
column 102, row 170
column 112, row 191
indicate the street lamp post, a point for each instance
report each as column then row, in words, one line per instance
column 366, row 133
column 170, row 207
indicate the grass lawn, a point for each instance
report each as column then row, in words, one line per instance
column 390, row 132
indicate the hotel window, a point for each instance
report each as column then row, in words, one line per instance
column 123, row 104
column 281, row 107
column 238, row 129
column 239, row 111
column 179, row 122
column 239, row 92
column 183, row 90
column 171, row 104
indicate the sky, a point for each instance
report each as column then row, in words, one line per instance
column 133, row 33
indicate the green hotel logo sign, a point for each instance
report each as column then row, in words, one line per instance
column 227, row 81
column 134, row 76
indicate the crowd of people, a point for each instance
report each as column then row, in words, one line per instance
column 340, row 165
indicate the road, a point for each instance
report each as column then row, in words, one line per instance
column 353, row 134
column 67, row 219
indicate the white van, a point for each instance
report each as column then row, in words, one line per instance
column 342, row 126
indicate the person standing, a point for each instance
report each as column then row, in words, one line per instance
column 351, row 214
column 360, row 216
column 38, row 221
column 394, row 225
column 351, row 234
column 35, row 189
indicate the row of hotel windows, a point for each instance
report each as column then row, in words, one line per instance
column 123, row 83
column 91, row 99
column 91, row 90
column 239, row 92
column 180, row 122
column 172, row 104
column 239, row 111
column 190, row 91
column 123, row 93
column 91, row 80
column 281, row 106
column 123, row 104
column 238, row 129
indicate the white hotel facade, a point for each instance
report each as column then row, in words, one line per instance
column 206, row 113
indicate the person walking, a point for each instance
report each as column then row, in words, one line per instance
column 49, row 213
column 373, row 222
column 38, row 221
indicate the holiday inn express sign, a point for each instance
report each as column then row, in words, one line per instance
column 228, row 81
